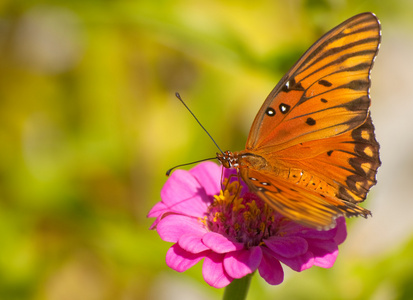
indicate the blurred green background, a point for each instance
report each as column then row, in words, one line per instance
column 89, row 124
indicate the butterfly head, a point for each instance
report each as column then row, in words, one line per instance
column 228, row 159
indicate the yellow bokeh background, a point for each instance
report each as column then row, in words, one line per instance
column 89, row 124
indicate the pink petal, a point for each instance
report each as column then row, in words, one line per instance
column 157, row 210
column 240, row 263
column 327, row 261
column 321, row 248
column 172, row 227
column 298, row 263
column 341, row 233
column 213, row 271
column 192, row 243
column 288, row 246
column 220, row 244
column 155, row 223
column 318, row 234
column 325, row 252
column 208, row 175
column 270, row 268
column 182, row 193
column 181, row 260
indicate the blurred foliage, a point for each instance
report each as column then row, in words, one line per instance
column 89, row 125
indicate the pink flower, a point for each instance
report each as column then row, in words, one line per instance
column 234, row 231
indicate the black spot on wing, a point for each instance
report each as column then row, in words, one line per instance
column 291, row 85
column 359, row 104
column 325, row 83
column 357, row 85
column 284, row 108
column 310, row 121
column 270, row 112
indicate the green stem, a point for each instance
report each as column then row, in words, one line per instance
column 238, row 288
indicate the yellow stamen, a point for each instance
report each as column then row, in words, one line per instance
column 217, row 216
column 203, row 220
column 237, row 204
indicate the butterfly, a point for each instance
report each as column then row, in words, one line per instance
column 311, row 153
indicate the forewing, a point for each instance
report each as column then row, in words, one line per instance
column 325, row 94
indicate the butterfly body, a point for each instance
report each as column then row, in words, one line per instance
column 311, row 153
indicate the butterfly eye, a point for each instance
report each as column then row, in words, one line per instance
column 270, row 112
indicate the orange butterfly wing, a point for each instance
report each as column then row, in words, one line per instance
column 312, row 142
column 308, row 207
column 315, row 190
column 325, row 93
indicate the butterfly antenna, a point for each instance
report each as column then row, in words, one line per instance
column 194, row 162
column 179, row 97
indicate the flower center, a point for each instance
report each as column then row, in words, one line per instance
column 248, row 220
